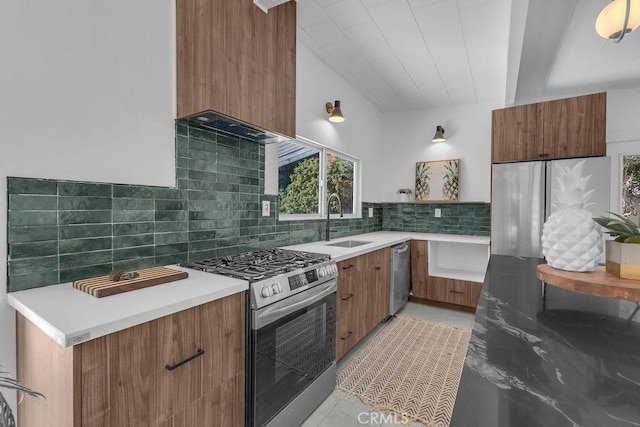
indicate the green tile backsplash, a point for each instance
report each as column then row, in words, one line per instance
column 60, row 231
column 457, row 218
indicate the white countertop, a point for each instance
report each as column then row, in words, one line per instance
column 379, row 240
column 70, row 316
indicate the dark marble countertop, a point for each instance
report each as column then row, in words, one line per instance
column 565, row 359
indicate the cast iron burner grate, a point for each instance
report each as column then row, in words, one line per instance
column 258, row 265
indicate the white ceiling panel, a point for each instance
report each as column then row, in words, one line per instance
column 371, row 3
column 310, row 13
column 325, row 3
column 449, row 52
column 348, row 13
column 433, row 19
column 336, row 67
column 487, row 54
column 466, row 4
column 364, row 34
column 344, row 52
column 326, row 32
column 314, row 47
column 382, row 58
column 412, row 54
column 491, row 15
column 393, row 14
column 302, row 35
column 417, row 4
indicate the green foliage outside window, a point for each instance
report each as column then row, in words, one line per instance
column 300, row 196
column 630, row 185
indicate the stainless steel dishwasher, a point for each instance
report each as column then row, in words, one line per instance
column 399, row 292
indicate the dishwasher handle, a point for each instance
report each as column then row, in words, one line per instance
column 400, row 249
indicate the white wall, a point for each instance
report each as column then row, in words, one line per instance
column 360, row 135
column 407, row 140
column 87, row 92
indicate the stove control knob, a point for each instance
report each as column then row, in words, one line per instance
column 322, row 272
column 266, row 291
column 276, row 288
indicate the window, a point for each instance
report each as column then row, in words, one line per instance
column 308, row 173
column 630, row 185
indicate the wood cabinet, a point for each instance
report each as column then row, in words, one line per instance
column 235, row 59
column 570, row 127
column 419, row 268
column 123, row 379
column 362, row 297
column 576, row 127
column 377, row 286
column 517, row 133
column 427, row 289
column 454, row 291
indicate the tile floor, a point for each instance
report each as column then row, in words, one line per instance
column 337, row 411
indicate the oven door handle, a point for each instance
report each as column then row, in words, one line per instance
column 278, row 310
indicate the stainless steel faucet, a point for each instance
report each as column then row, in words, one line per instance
column 328, row 232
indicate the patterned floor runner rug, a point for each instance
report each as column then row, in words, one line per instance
column 411, row 367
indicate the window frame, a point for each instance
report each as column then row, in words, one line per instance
column 620, row 181
column 322, row 184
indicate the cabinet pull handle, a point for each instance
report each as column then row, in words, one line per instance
column 349, row 296
column 348, row 267
column 378, row 267
column 346, row 336
column 199, row 353
column 457, row 292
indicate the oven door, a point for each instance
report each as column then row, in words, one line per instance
column 292, row 343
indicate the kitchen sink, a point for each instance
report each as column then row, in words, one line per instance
column 348, row 243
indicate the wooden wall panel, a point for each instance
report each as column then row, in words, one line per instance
column 35, row 350
column 235, row 59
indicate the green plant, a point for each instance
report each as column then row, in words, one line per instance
column 625, row 230
column 6, row 417
column 11, row 383
column 301, row 193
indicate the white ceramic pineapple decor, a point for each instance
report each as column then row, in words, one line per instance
column 571, row 240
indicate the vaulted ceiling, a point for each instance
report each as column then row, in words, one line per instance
column 414, row 54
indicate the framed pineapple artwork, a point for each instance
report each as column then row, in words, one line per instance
column 438, row 181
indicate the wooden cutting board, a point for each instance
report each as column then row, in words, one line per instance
column 103, row 287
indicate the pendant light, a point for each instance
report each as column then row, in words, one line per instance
column 439, row 136
column 618, row 18
column 335, row 112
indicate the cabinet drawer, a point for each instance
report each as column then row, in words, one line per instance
column 453, row 291
column 351, row 266
column 377, row 257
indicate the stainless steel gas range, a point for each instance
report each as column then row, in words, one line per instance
column 291, row 364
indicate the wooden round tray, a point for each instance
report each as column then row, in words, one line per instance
column 597, row 282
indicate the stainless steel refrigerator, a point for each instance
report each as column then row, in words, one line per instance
column 521, row 201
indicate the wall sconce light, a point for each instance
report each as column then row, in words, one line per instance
column 335, row 112
column 439, row 136
column 618, row 18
